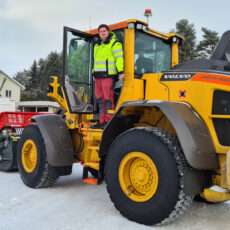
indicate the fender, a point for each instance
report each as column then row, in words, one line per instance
column 191, row 130
column 58, row 143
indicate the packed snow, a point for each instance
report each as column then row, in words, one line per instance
column 73, row 205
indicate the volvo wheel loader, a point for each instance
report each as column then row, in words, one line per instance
column 168, row 139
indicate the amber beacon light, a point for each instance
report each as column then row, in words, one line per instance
column 148, row 13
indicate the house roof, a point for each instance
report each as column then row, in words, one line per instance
column 38, row 103
column 11, row 79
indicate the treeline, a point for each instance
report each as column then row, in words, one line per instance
column 192, row 49
column 36, row 79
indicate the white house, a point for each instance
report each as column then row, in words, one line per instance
column 9, row 88
column 10, row 92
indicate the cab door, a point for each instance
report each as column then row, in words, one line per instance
column 77, row 70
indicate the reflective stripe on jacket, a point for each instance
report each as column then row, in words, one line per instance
column 108, row 58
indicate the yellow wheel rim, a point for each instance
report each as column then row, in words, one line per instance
column 29, row 156
column 138, row 176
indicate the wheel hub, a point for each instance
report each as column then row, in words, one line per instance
column 29, row 156
column 138, row 176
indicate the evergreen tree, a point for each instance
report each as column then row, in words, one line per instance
column 32, row 87
column 36, row 79
column 52, row 67
column 41, row 65
column 34, row 75
column 22, row 77
column 188, row 50
column 206, row 47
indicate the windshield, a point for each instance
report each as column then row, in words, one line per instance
column 152, row 54
column 78, row 71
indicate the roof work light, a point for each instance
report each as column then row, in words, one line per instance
column 148, row 13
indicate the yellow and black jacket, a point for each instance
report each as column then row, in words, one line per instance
column 108, row 58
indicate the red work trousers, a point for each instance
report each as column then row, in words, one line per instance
column 105, row 98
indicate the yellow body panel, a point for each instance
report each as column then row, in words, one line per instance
column 126, row 94
column 199, row 97
column 154, row 89
column 91, row 146
column 56, row 96
column 215, row 196
column 175, row 57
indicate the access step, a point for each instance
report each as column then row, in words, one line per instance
column 90, row 181
column 87, row 179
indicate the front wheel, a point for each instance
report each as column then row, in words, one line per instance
column 143, row 172
column 32, row 159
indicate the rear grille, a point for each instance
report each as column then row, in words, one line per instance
column 222, row 127
column 221, row 103
column 221, row 106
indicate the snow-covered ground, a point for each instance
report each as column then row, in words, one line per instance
column 72, row 204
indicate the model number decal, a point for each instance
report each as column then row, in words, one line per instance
column 176, row 76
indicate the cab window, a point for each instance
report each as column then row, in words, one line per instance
column 152, row 55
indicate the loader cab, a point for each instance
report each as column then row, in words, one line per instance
column 145, row 51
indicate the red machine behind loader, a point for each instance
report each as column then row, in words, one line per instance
column 11, row 127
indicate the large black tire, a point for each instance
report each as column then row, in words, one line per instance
column 40, row 176
column 8, row 160
column 169, row 200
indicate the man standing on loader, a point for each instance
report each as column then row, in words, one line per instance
column 108, row 63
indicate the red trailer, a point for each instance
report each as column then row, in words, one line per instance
column 11, row 127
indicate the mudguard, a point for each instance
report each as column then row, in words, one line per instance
column 192, row 132
column 58, row 143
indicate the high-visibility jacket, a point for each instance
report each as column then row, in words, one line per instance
column 108, row 58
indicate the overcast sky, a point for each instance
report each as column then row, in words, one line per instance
column 30, row 29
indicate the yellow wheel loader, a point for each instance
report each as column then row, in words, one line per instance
column 168, row 139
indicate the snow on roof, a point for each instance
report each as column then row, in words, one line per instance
column 12, row 79
column 38, row 103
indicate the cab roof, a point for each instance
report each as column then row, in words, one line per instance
column 124, row 24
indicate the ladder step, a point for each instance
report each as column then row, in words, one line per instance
column 90, row 181
column 93, row 147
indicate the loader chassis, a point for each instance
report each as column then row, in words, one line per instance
column 165, row 142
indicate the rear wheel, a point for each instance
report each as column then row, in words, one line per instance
column 143, row 172
column 32, row 159
column 8, row 156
